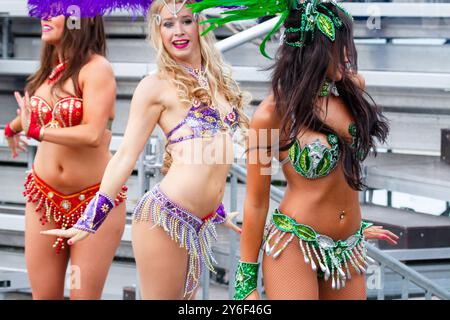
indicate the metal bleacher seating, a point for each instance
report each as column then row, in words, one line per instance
column 405, row 63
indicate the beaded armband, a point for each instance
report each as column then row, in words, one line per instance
column 95, row 214
column 246, row 279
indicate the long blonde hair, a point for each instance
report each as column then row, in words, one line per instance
column 217, row 71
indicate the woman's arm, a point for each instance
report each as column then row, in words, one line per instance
column 258, row 181
column 145, row 111
column 16, row 124
column 99, row 95
column 13, row 137
column 258, row 193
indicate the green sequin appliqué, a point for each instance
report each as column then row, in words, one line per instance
column 246, row 279
column 326, row 25
column 287, row 224
column 329, row 258
column 315, row 160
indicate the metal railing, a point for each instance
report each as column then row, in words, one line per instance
column 384, row 260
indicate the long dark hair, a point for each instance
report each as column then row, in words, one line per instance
column 77, row 47
column 298, row 76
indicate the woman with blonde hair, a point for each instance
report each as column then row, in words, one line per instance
column 198, row 106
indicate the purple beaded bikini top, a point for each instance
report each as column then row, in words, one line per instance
column 205, row 122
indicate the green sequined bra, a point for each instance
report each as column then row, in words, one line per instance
column 316, row 160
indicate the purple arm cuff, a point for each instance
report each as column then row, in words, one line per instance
column 95, row 213
column 221, row 215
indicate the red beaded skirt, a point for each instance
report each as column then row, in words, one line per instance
column 64, row 210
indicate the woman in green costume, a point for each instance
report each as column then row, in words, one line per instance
column 314, row 244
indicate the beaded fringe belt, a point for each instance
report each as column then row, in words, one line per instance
column 191, row 232
column 332, row 256
column 64, row 210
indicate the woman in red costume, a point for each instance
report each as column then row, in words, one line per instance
column 68, row 106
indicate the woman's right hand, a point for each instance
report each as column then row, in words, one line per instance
column 16, row 144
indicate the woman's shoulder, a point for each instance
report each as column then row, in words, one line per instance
column 265, row 115
column 151, row 90
column 98, row 61
column 97, row 67
column 359, row 80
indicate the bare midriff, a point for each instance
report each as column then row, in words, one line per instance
column 197, row 177
column 328, row 204
column 69, row 169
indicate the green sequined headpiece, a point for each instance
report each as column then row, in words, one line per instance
column 314, row 14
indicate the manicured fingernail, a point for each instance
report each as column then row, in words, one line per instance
column 69, row 242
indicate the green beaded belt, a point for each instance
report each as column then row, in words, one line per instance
column 332, row 256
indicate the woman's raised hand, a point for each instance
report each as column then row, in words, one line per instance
column 24, row 110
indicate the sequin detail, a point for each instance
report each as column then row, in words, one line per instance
column 333, row 257
column 315, row 160
column 189, row 231
column 205, row 122
column 66, row 112
column 246, row 279
column 64, row 210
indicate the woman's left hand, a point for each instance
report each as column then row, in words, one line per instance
column 24, row 110
column 75, row 235
column 229, row 222
column 377, row 232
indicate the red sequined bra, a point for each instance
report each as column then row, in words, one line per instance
column 66, row 112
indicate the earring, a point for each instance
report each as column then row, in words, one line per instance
column 348, row 66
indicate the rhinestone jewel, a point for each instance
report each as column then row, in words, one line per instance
column 65, row 205
column 325, row 242
column 82, row 197
column 50, row 195
column 105, row 208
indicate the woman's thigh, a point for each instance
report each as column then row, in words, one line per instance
column 91, row 258
column 355, row 288
column 160, row 261
column 288, row 277
column 46, row 268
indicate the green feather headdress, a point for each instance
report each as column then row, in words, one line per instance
column 314, row 15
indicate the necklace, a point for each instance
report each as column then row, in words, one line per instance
column 328, row 87
column 199, row 75
column 56, row 72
